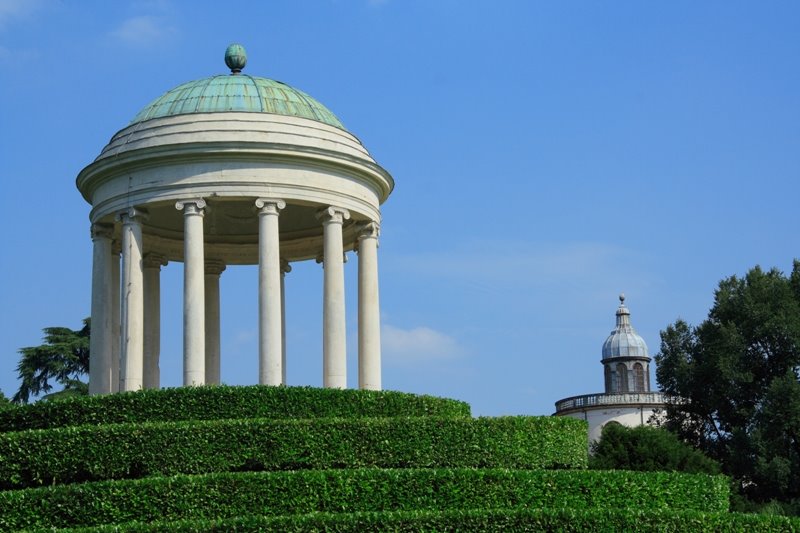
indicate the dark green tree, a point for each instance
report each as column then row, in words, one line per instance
column 63, row 359
column 4, row 402
column 734, row 382
column 647, row 448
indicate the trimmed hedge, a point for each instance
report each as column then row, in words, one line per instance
column 118, row 451
column 499, row 520
column 221, row 402
column 232, row 495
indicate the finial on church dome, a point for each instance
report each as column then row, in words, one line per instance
column 235, row 58
column 622, row 312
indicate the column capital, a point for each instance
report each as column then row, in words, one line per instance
column 154, row 260
column 269, row 206
column 285, row 266
column 132, row 214
column 192, row 206
column 369, row 230
column 214, row 267
column 332, row 214
column 101, row 231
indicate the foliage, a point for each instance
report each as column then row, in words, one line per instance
column 647, row 448
column 735, row 382
column 230, row 495
column 117, row 451
column 484, row 520
column 220, row 402
column 63, row 359
column 4, row 402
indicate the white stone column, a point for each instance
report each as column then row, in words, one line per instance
column 132, row 312
column 152, row 319
column 214, row 269
column 100, row 352
column 270, row 351
column 285, row 269
column 116, row 318
column 369, row 312
column 334, row 342
column 194, row 336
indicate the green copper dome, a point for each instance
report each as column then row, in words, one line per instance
column 237, row 92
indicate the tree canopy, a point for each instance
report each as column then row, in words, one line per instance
column 733, row 381
column 4, row 402
column 647, row 448
column 62, row 359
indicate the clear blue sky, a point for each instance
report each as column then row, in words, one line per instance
column 547, row 155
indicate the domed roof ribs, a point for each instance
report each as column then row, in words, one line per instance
column 237, row 92
column 623, row 340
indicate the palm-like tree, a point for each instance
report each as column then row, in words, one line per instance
column 63, row 359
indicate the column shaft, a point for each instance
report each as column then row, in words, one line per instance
column 152, row 320
column 132, row 341
column 100, row 351
column 116, row 319
column 213, row 345
column 194, row 338
column 369, row 321
column 270, row 350
column 285, row 269
column 334, row 342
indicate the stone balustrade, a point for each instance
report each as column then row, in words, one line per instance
column 600, row 399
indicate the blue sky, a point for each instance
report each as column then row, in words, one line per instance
column 547, row 156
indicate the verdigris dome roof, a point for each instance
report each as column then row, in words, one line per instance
column 624, row 341
column 239, row 93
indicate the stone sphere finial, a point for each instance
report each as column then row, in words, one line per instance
column 235, row 58
column 622, row 298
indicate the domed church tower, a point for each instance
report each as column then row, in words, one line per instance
column 627, row 399
column 625, row 360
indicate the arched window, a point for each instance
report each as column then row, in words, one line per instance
column 622, row 378
column 638, row 378
column 609, row 381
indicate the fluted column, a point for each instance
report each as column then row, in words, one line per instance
column 132, row 311
column 369, row 319
column 100, row 352
column 116, row 318
column 334, row 343
column 152, row 319
column 214, row 269
column 270, row 351
column 194, row 337
column 285, row 269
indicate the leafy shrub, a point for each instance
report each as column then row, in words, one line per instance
column 218, row 402
column 117, row 451
column 299, row 492
column 647, row 448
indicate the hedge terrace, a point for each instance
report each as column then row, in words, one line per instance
column 303, row 459
column 483, row 520
column 119, row 451
column 220, row 402
column 230, row 495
